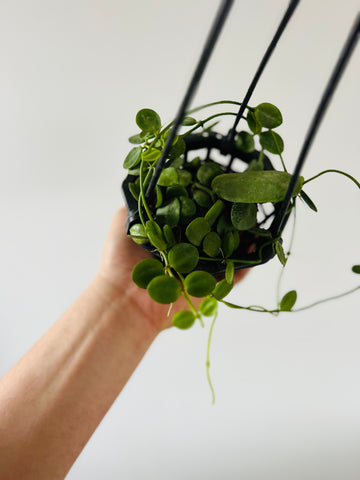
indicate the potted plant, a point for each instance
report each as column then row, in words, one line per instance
column 212, row 207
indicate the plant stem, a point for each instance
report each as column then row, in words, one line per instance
column 326, row 300
column 208, row 358
column 189, row 302
column 334, row 171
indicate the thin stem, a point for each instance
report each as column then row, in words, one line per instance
column 333, row 171
column 326, row 300
column 202, row 122
column 208, row 358
column 288, row 254
column 189, row 302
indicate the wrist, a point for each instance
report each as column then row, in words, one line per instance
column 120, row 305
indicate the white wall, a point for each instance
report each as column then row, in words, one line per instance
column 72, row 76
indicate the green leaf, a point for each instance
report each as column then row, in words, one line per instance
column 254, row 125
column 164, row 289
column 229, row 272
column 183, row 257
column 134, row 189
column 268, row 115
column 178, row 162
column 245, row 142
column 308, row 201
column 155, row 235
column 288, row 301
column 212, row 244
column 208, row 172
column 132, row 158
column 148, row 120
column 175, row 191
column 228, row 243
column 280, row 253
column 169, row 236
column 356, row 268
column 272, row 142
column 177, row 149
column 183, row 319
column 199, row 284
column 243, row 215
column 145, row 271
column 213, row 213
column 136, row 139
column 254, row 187
column 169, row 176
column 222, row 289
column 223, row 225
column 196, row 230
column 185, row 177
column 208, row 306
column 202, row 198
column 189, row 121
column 138, row 234
column 169, row 213
column 187, row 210
column 151, row 155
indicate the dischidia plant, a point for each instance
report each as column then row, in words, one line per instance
column 203, row 221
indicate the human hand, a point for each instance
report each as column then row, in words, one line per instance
column 119, row 257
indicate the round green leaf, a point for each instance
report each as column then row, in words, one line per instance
column 213, row 213
column 196, row 230
column 169, row 176
column 175, row 191
column 134, row 189
column 169, row 213
column 268, row 115
column 208, row 307
column 243, row 215
column 254, row 187
column 155, row 235
column 356, row 268
column 151, row 155
column 187, row 210
column 145, row 271
column 188, row 121
column 254, row 125
column 138, row 234
column 199, row 284
column 183, row 257
column 185, row 177
column 272, row 142
column 212, row 244
column 183, row 319
column 202, row 198
column 222, row 289
column 207, row 172
column 148, row 120
column 132, row 158
column 177, row 149
column 245, row 142
column 169, row 236
column 164, row 289
column 288, row 301
column 136, row 139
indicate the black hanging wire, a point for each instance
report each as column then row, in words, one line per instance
column 288, row 14
column 279, row 220
column 207, row 50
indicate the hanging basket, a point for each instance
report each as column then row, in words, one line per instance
column 254, row 246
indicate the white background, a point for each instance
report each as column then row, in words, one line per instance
column 73, row 74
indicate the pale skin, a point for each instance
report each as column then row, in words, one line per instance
column 53, row 399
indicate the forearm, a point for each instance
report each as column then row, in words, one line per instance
column 54, row 398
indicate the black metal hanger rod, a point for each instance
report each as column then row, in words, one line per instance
column 287, row 15
column 277, row 224
column 206, row 53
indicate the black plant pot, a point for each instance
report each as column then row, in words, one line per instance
column 254, row 249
